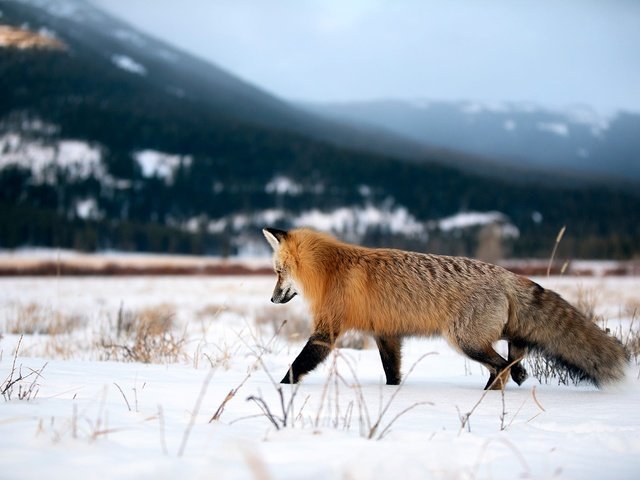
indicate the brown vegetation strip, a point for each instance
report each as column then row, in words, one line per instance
column 50, row 268
column 141, row 268
column 622, row 270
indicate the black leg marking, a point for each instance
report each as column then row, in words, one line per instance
column 517, row 350
column 491, row 382
column 389, row 347
column 315, row 351
column 490, row 359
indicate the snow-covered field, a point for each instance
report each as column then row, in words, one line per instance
column 96, row 411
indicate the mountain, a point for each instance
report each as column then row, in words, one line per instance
column 576, row 142
column 110, row 139
column 95, row 35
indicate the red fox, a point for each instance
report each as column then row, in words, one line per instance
column 393, row 293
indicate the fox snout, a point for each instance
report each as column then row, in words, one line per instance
column 283, row 291
column 281, row 295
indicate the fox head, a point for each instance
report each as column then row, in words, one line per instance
column 283, row 265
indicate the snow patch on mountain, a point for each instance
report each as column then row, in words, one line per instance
column 44, row 158
column 356, row 221
column 281, row 185
column 87, row 209
column 160, row 164
column 351, row 223
column 473, row 108
column 464, row 220
column 129, row 64
column 598, row 121
column 557, row 128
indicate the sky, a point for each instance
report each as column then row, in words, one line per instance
column 552, row 53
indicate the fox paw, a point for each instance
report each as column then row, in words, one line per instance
column 519, row 374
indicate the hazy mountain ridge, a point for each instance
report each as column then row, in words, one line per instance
column 576, row 140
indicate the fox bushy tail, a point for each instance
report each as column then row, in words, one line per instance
column 546, row 323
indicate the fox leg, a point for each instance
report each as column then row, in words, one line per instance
column 496, row 365
column 517, row 350
column 389, row 346
column 315, row 351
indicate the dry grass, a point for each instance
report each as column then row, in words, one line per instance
column 156, row 320
column 33, row 319
column 297, row 325
column 211, row 312
column 355, row 341
column 15, row 386
column 341, row 384
column 633, row 345
column 586, row 302
column 146, row 336
column 631, row 337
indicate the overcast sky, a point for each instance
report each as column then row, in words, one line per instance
column 555, row 53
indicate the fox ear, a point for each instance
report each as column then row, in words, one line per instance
column 274, row 236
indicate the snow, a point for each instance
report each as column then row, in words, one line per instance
column 129, row 64
column 160, row 164
column 349, row 222
column 25, row 257
column 473, row 108
column 87, row 209
column 598, row 121
column 28, row 125
column 472, row 219
column 355, row 221
column 557, row 128
column 281, row 185
column 46, row 32
column 109, row 419
column 78, row 158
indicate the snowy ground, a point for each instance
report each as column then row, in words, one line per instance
column 97, row 414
